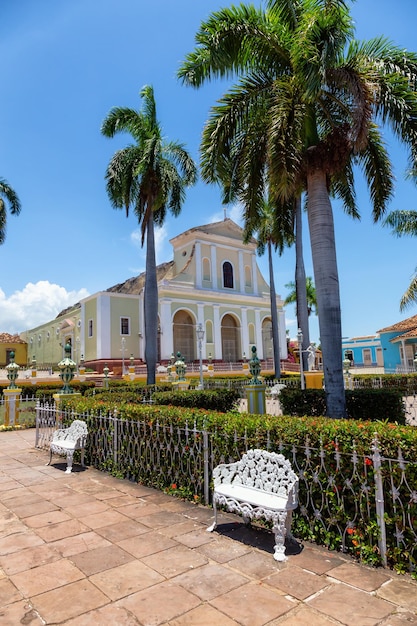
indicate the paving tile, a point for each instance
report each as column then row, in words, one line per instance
column 303, row 616
column 401, row 592
column 139, row 509
column 119, row 499
column 19, row 541
column 108, row 615
column 360, row 576
column 351, row 606
column 19, row 613
column 174, row 561
column 90, row 507
column 105, row 518
column 296, row 582
column 46, row 577
column 29, row 558
column 316, row 561
column 8, row 593
column 122, row 530
column 400, row 619
column 34, row 508
column 46, row 519
column 253, row 605
column 147, row 606
column 224, row 549
column 209, row 581
column 100, row 559
column 68, row 602
column 160, row 519
column 54, row 532
column 145, row 544
column 255, row 564
column 185, row 526
column 9, row 485
column 68, row 546
column 195, row 538
column 203, row 615
column 126, row 579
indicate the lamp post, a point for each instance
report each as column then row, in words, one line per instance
column 415, row 362
column 200, row 337
column 300, row 348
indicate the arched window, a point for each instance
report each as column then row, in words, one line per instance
column 227, row 275
column 209, row 332
column 248, row 276
column 251, row 331
column 206, row 269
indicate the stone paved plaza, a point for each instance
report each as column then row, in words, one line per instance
column 87, row 549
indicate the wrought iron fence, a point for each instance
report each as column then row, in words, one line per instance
column 340, row 495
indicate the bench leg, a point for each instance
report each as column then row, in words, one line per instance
column 288, row 522
column 70, row 455
column 82, row 457
column 214, row 524
column 279, row 529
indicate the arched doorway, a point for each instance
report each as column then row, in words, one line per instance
column 183, row 335
column 231, row 350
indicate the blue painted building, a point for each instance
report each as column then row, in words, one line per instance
column 393, row 348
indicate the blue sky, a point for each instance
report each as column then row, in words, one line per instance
column 65, row 63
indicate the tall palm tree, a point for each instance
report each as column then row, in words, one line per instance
column 150, row 176
column 405, row 223
column 310, row 292
column 7, row 197
column 272, row 233
column 309, row 105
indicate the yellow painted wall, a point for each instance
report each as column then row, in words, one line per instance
column 20, row 351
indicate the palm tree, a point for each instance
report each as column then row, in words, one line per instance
column 9, row 196
column 304, row 112
column 271, row 234
column 310, row 292
column 151, row 176
column 405, row 223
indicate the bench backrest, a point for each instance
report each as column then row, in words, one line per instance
column 267, row 471
column 77, row 431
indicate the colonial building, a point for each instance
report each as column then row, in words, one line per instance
column 12, row 344
column 393, row 348
column 213, row 280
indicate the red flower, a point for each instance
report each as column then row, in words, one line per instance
column 368, row 461
column 173, row 486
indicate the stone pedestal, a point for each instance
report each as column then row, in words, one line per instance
column 255, row 395
column 12, row 401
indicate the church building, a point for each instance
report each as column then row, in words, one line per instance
column 212, row 280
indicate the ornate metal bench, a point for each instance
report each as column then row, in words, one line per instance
column 261, row 485
column 66, row 440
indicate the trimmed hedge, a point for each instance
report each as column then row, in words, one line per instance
column 361, row 404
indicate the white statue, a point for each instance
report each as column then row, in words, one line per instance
column 311, row 357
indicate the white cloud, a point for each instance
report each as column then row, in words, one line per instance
column 232, row 212
column 37, row 303
column 162, row 251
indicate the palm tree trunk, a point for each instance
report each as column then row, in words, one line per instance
column 274, row 316
column 320, row 219
column 151, row 304
column 300, row 283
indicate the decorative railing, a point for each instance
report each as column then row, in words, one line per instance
column 362, row 504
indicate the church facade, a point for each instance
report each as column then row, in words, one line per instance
column 212, row 280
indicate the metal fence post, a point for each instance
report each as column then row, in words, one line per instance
column 38, row 410
column 379, row 500
column 206, row 468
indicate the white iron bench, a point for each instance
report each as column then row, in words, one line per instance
column 261, row 485
column 66, row 440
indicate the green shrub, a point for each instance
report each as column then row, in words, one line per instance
column 222, row 400
column 361, row 404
